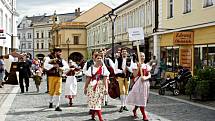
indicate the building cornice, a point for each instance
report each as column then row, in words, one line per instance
column 202, row 25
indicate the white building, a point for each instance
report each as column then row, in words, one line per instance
column 131, row 14
column 8, row 24
column 35, row 33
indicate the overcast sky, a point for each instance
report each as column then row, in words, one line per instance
column 39, row 7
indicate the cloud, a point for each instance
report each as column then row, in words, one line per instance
column 39, row 7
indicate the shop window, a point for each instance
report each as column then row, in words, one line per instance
column 171, row 56
column 204, row 55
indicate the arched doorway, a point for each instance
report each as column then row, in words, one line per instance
column 40, row 56
column 76, row 57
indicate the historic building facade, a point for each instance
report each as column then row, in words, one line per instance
column 186, row 33
column 131, row 14
column 8, row 27
column 35, row 33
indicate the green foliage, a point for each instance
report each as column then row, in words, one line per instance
column 202, row 88
column 202, row 84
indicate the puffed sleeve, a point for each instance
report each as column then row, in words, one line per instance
column 134, row 66
column 105, row 71
column 89, row 72
column 149, row 68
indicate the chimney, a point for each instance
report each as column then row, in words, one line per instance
column 76, row 12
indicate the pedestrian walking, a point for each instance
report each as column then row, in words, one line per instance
column 96, row 86
column 2, row 71
column 37, row 77
column 139, row 93
column 24, row 73
column 71, row 82
column 55, row 66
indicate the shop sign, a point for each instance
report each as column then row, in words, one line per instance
column 186, row 58
column 183, row 38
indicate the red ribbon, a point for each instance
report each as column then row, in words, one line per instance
column 98, row 74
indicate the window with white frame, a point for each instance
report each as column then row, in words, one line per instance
column 136, row 18
column 208, row 3
column 187, row 6
column 170, row 8
column 6, row 23
column 10, row 25
column 149, row 13
column 125, row 20
column 142, row 17
column 130, row 20
column 119, row 25
column 1, row 18
column 29, row 45
column 29, row 35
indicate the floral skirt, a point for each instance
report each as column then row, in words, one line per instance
column 96, row 97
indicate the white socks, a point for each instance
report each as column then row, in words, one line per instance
column 58, row 101
column 122, row 98
column 52, row 100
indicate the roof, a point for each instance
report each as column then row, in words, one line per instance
column 46, row 19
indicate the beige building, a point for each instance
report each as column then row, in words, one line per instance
column 131, row 14
column 186, row 34
column 72, row 36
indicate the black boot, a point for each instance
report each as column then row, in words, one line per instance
column 121, row 109
column 50, row 105
column 58, row 109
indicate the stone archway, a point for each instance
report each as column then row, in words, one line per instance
column 40, row 56
column 76, row 57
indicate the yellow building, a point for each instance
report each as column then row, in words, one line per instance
column 187, row 33
column 71, row 36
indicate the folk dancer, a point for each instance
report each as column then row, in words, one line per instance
column 139, row 94
column 123, row 77
column 71, row 82
column 55, row 66
column 96, row 86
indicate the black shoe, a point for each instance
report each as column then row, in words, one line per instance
column 106, row 103
column 125, row 108
column 50, row 105
column 121, row 109
column 90, row 112
column 58, row 109
column 145, row 120
column 47, row 92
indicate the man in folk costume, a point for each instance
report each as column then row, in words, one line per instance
column 123, row 78
column 55, row 66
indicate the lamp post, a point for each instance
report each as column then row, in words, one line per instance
column 112, row 17
column 67, row 42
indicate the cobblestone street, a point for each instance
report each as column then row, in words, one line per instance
column 33, row 106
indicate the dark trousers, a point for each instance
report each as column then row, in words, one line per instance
column 21, row 78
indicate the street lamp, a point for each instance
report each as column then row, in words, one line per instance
column 112, row 17
column 67, row 42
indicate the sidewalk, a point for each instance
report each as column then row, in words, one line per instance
column 5, row 91
column 187, row 98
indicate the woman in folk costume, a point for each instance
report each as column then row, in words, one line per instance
column 96, row 86
column 139, row 94
column 71, row 82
